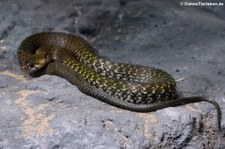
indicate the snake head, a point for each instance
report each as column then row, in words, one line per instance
column 35, row 62
column 29, row 67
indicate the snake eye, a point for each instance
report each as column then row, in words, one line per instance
column 31, row 65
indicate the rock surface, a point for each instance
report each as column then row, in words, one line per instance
column 49, row 112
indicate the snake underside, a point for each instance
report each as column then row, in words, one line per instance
column 132, row 87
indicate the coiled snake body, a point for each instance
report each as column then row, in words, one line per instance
column 131, row 87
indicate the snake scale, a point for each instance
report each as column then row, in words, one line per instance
column 132, row 87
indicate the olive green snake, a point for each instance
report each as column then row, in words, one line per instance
column 132, row 87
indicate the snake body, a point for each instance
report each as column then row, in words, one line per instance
column 132, row 87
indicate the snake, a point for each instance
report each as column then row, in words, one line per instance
column 128, row 86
